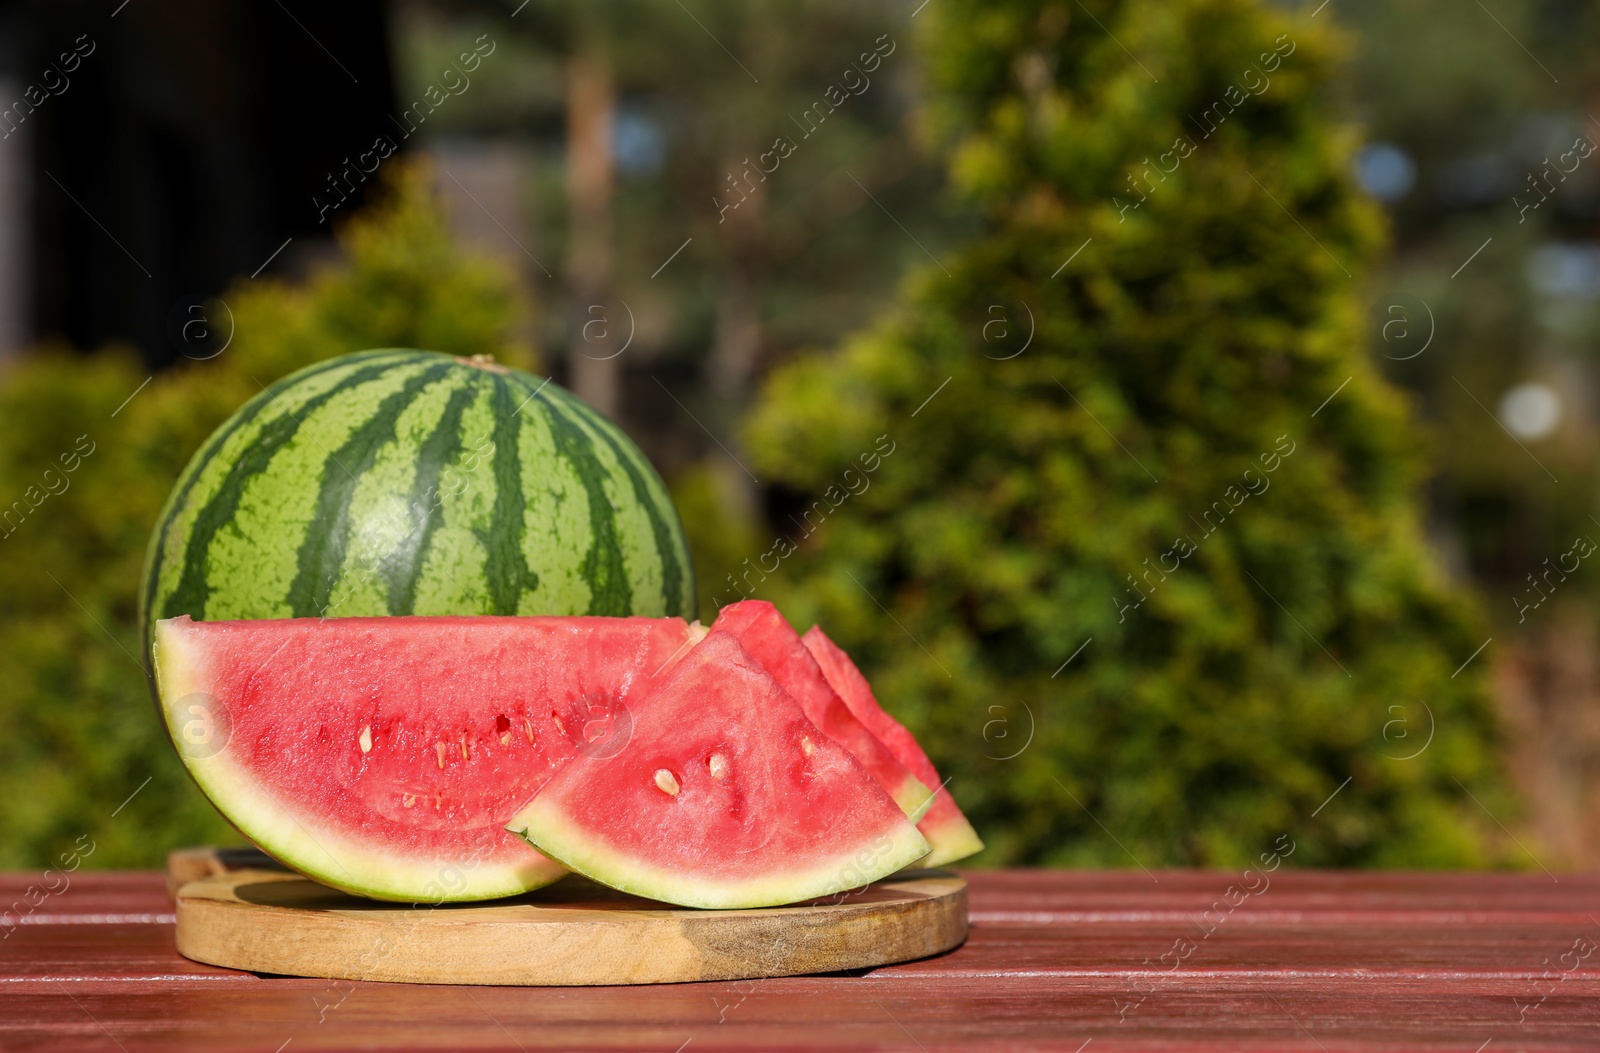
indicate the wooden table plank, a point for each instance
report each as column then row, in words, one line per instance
column 82, row 897
column 798, row 1014
column 1042, row 895
column 1132, row 951
column 1313, row 961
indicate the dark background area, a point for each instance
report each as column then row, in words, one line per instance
column 198, row 132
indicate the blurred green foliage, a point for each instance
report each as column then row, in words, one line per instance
column 1200, row 358
column 81, row 734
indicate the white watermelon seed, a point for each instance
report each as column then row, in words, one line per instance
column 505, row 740
column 440, row 747
column 667, row 782
column 366, row 739
column 806, row 745
column 718, row 765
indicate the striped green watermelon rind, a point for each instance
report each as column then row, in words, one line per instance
column 398, row 482
column 725, row 797
column 950, row 835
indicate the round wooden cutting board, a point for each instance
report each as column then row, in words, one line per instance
column 238, row 909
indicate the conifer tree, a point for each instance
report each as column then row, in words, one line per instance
column 1143, row 564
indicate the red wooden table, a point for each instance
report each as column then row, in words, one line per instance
column 1070, row 961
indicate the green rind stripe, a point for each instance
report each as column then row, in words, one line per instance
column 322, row 552
column 160, row 539
column 674, row 600
column 641, row 564
column 555, row 516
column 677, row 562
column 252, row 563
column 383, row 517
column 610, row 592
column 611, row 549
column 505, row 567
column 193, row 590
column 441, row 447
column 643, row 559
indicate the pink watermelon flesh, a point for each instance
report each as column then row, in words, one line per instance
column 726, row 796
column 949, row 834
column 385, row 755
column 763, row 631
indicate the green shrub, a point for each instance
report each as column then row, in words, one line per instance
column 1196, row 372
column 80, row 733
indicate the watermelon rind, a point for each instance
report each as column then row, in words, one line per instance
column 952, row 838
column 397, row 482
column 545, row 827
column 914, row 798
column 362, row 868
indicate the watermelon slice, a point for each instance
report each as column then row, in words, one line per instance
column 384, row 756
column 763, row 631
column 726, row 796
column 945, row 827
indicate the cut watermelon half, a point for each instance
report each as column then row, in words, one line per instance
column 384, row 756
column 948, row 832
column 726, row 796
column 764, row 632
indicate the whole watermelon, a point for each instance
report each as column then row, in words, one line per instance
column 409, row 482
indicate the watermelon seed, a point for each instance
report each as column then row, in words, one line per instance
column 440, row 747
column 505, row 740
column 527, row 728
column 366, row 739
column 559, row 726
column 667, row 782
column 718, row 765
column 408, row 800
column 806, row 745
column 464, row 755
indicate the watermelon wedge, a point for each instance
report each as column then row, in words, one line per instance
column 949, row 834
column 764, row 632
column 384, row 756
column 726, row 796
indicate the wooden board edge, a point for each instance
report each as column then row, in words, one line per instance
column 195, row 864
column 498, row 946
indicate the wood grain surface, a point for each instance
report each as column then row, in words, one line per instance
column 574, row 932
column 1315, row 962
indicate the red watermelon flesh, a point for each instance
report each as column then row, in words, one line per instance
column 725, row 796
column 384, row 756
column 763, row 631
column 949, row 834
